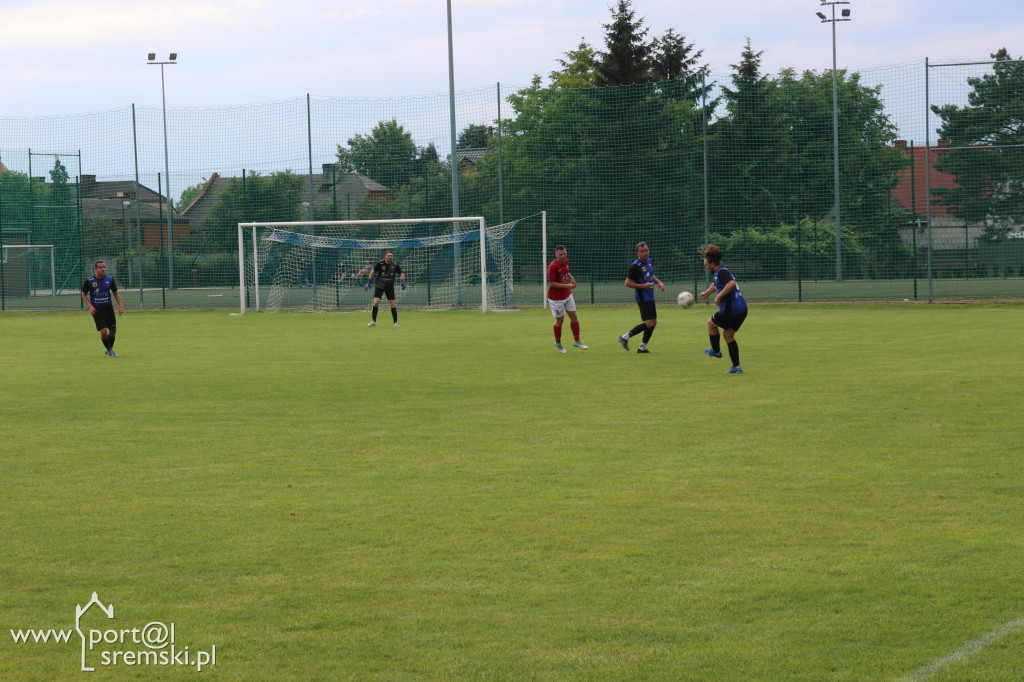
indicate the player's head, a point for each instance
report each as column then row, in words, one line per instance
column 389, row 256
column 712, row 257
column 642, row 251
column 100, row 267
column 561, row 255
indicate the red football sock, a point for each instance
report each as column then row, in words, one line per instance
column 575, row 326
column 558, row 334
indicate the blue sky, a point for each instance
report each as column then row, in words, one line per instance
column 73, row 56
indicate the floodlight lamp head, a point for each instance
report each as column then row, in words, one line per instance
column 152, row 56
column 846, row 12
column 820, row 16
column 174, row 56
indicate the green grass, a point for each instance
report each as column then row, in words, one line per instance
column 453, row 499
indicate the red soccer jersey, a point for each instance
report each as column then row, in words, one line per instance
column 559, row 273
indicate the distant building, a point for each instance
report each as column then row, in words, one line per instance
column 952, row 237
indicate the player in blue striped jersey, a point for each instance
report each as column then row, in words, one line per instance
column 97, row 292
column 732, row 308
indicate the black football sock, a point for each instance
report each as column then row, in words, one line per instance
column 637, row 329
column 734, row 352
column 716, row 342
column 394, row 315
column 647, row 334
column 106, row 342
column 111, row 339
column 374, row 313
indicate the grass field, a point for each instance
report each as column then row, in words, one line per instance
column 453, row 499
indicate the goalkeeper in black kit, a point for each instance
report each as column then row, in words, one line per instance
column 385, row 271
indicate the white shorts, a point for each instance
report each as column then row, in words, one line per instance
column 560, row 308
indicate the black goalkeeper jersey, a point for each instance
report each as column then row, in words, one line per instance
column 386, row 273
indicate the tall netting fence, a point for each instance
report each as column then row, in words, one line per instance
column 930, row 188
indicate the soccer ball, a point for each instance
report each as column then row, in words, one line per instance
column 685, row 299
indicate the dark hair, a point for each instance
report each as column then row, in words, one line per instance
column 559, row 248
column 712, row 253
column 639, row 244
column 97, row 263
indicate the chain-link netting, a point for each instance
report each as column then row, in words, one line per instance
column 930, row 186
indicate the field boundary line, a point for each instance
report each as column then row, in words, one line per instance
column 964, row 652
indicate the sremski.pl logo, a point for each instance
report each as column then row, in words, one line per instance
column 153, row 644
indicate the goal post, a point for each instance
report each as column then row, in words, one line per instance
column 448, row 263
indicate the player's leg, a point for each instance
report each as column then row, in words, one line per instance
column 558, row 312
column 574, row 324
column 393, row 304
column 376, row 304
column 650, row 314
column 715, row 338
column 729, row 332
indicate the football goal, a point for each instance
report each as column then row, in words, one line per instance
column 28, row 270
column 447, row 262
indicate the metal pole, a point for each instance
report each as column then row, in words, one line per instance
column 835, row 151
column 167, row 179
column 928, row 173
column 501, row 182
column 138, row 209
column 455, row 156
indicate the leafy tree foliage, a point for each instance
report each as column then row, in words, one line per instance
column 256, row 198
column 388, row 155
column 473, row 136
column 987, row 157
column 627, row 59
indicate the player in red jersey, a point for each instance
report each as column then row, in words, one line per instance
column 560, row 286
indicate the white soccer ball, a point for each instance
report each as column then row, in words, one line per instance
column 685, row 299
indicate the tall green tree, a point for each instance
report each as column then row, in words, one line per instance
column 388, row 154
column 987, row 149
column 627, row 55
column 579, row 68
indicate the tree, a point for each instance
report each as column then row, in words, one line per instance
column 388, row 155
column 986, row 139
column 579, row 68
column 473, row 136
column 274, row 198
column 627, row 59
column 189, row 194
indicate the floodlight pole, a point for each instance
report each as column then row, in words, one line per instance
column 845, row 16
column 167, row 169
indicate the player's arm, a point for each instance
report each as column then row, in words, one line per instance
column 88, row 303
column 726, row 290
column 401, row 276
column 573, row 280
column 658, row 282
column 117, row 295
column 373, row 271
column 633, row 277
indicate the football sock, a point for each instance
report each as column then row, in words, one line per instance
column 575, row 326
column 374, row 313
column 106, row 342
column 647, row 335
column 734, row 352
column 111, row 339
column 394, row 314
column 716, row 342
column 637, row 329
column 558, row 334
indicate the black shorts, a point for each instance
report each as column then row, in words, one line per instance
column 648, row 311
column 732, row 322
column 105, row 318
column 388, row 290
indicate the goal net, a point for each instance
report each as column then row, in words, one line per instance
column 27, row 270
column 447, row 262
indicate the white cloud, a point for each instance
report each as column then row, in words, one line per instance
column 78, row 23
